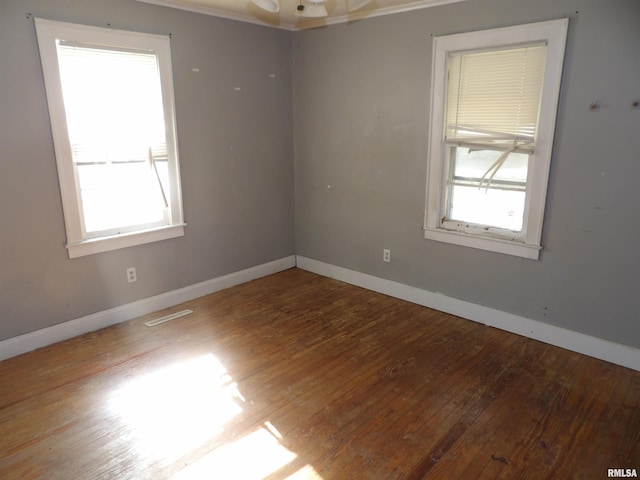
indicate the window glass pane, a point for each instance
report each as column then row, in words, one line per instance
column 162, row 167
column 119, row 195
column 476, row 163
column 489, row 207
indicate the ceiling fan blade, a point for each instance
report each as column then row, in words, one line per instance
column 313, row 10
column 268, row 5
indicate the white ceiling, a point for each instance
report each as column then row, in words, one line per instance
column 286, row 18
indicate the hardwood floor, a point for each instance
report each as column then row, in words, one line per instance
column 299, row 376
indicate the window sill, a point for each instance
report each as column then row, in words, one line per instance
column 506, row 247
column 115, row 242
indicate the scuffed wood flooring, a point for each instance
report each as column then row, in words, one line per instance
column 296, row 376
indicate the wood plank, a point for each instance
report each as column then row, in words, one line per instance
column 299, row 376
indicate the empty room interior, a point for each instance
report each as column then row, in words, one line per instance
column 336, row 239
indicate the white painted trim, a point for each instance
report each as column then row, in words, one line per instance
column 212, row 11
column 47, row 336
column 115, row 242
column 498, row 245
column 577, row 342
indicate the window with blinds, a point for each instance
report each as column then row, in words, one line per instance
column 110, row 99
column 494, row 100
column 120, row 160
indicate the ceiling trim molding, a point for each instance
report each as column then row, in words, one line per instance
column 215, row 12
column 307, row 23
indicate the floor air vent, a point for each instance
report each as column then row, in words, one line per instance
column 166, row 318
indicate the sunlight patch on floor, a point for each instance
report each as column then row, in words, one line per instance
column 252, row 457
column 305, row 473
column 172, row 411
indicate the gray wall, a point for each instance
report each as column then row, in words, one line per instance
column 235, row 153
column 361, row 103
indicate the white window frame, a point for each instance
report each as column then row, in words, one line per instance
column 78, row 243
column 527, row 243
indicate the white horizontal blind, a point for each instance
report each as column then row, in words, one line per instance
column 493, row 97
column 113, row 102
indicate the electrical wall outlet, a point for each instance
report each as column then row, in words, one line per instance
column 386, row 255
column 131, row 274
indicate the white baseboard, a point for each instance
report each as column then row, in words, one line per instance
column 47, row 336
column 577, row 342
